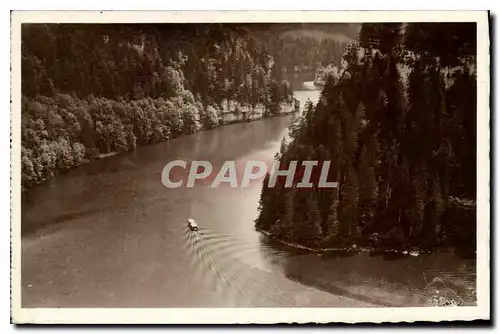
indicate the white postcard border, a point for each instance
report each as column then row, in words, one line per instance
column 257, row 315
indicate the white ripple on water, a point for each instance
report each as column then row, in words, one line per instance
column 224, row 263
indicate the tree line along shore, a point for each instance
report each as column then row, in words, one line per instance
column 89, row 91
column 398, row 123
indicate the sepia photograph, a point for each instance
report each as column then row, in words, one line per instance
column 239, row 167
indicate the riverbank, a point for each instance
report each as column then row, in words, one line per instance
column 360, row 275
column 65, row 157
column 352, row 249
column 396, row 282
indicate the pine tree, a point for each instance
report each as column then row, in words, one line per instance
column 283, row 147
column 283, row 227
column 348, row 207
column 368, row 186
column 332, row 219
column 399, row 146
column 267, row 206
column 313, row 233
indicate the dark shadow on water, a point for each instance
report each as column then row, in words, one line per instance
column 387, row 279
column 388, row 256
column 337, row 254
column 31, row 226
column 336, row 290
column 290, row 251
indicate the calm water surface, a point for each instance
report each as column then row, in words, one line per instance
column 109, row 234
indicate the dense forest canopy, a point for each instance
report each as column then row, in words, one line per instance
column 133, row 61
column 93, row 89
column 399, row 126
column 307, row 54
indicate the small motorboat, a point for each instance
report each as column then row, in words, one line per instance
column 414, row 253
column 192, row 224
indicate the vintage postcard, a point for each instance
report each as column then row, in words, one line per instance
column 250, row 167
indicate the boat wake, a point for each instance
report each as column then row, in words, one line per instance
column 228, row 265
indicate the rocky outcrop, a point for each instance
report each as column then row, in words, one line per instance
column 233, row 111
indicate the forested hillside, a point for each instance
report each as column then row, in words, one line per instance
column 89, row 90
column 304, row 53
column 399, row 126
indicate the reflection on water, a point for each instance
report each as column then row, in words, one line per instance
column 391, row 281
column 109, row 234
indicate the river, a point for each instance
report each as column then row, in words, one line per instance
column 109, row 234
